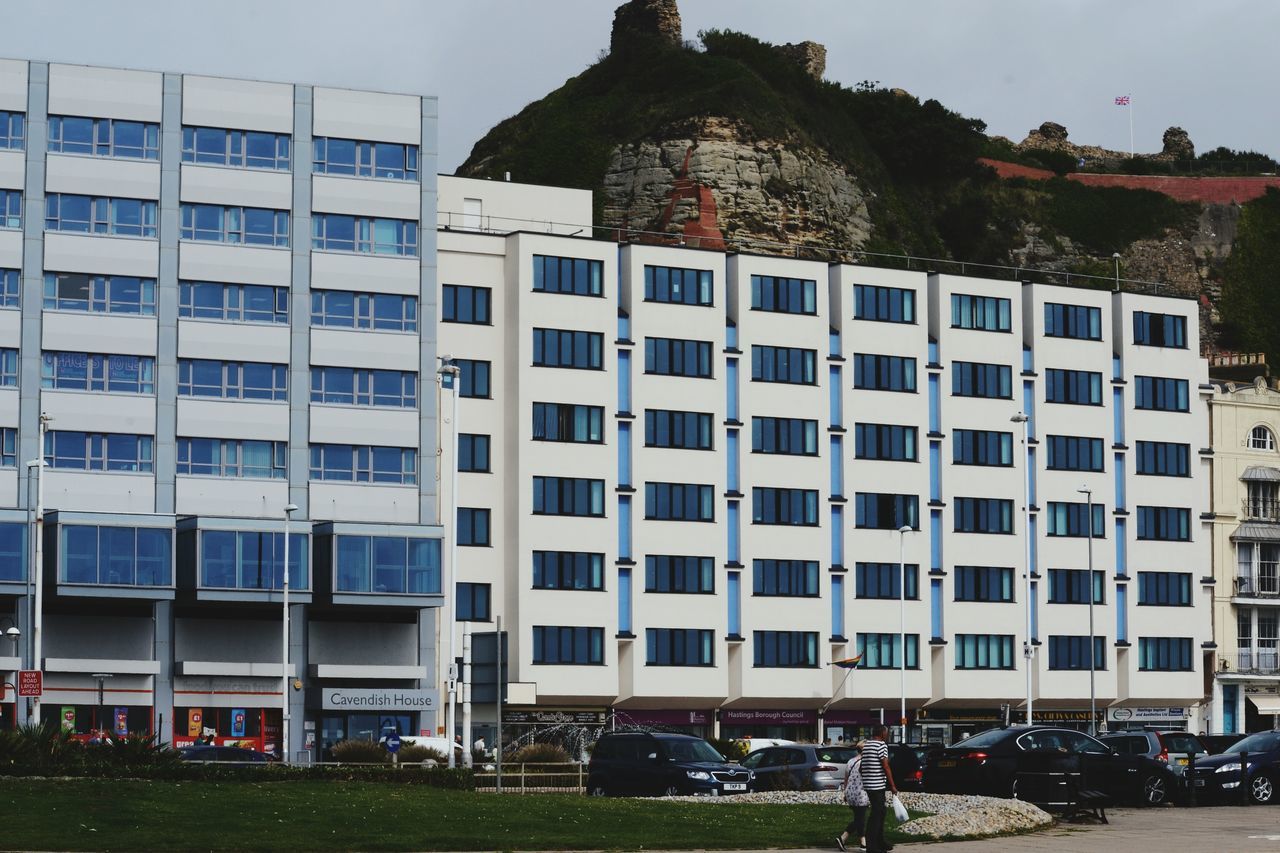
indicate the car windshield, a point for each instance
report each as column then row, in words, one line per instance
column 1261, row 742
column 991, row 737
column 1181, row 742
column 691, row 750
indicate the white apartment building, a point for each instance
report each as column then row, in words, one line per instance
column 696, row 465
column 220, row 295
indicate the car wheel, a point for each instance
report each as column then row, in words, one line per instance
column 671, row 791
column 1154, row 791
column 1262, row 789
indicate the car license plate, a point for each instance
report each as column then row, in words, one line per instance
column 735, row 786
column 1182, row 761
column 946, row 764
column 1198, row 783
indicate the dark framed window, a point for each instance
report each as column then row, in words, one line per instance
column 679, row 647
column 881, row 511
column 677, row 357
column 473, row 526
column 1163, row 459
column 569, row 646
column 1082, row 322
column 473, row 453
column 1068, row 518
column 474, row 601
column 882, row 580
column 679, row 430
column 789, row 365
column 785, row 578
column 567, row 348
column 1074, row 453
column 889, row 442
column 1073, row 652
column 772, row 505
column 577, row 276
column 1165, row 654
column 982, row 447
column 679, row 502
column 464, row 303
column 983, row 515
column 785, row 436
column 983, row 583
column 679, row 574
column 1076, row 387
column 784, row 295
column 474, row 378
column 1159, row 330
column 984, row 651
column 975, row 379
column 1164, row 589
column 884, row 304
column 884, row 651
column 789, row 649
column 985, row 313
column 1161, row 394
column 1164, row 523
column 568, row 496
column 873, row 372
column 1071, row 586
column 568, row 422
column 678, row 286
column 568, row 570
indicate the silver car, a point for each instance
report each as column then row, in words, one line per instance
column 1173, row 748
column 799, row 767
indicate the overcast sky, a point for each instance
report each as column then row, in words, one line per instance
column 1011, row 63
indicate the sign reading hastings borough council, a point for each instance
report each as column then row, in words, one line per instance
column 377, row 699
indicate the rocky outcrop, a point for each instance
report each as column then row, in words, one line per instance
column 809, row 55
column 1177, row 145
column 1052, row 136
column 645, row 19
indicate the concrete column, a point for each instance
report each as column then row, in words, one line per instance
column 429, row 720
column 299, row 461
column 299, row 670
column 162, row 615
column 428, row 310
column 29, row 350
column 167, row 296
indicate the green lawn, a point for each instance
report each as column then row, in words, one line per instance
column 84, row 814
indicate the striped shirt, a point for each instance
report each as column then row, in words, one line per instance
column 873, row 751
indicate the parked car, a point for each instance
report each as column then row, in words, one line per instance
column 798, row 766
column 987, row 763
column 1218, row 776
column 1217, row 744
column 662, row 764
column 208, row 752
column 906, row 762
column 1173, row 748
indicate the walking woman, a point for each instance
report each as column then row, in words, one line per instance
column 855, row 797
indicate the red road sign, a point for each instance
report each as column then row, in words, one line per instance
column 30, row 682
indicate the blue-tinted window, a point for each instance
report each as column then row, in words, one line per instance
column 679, row 502
column 682, row 574
column 251, row 226
column 129, row 217
column 80, row 371
column 1164, row 523
column 362, row 386
column 578, row 276
column 364, row 159
column 565, row 348
column 11, row 289
column 568, row 422
column 8, row 367
column 784, row 295
column 464, row 303
column 1163, row 459
column 473, row 526
column 1079, row 387
column 1161, row 394
column 10, row 209
column 386, row 565
column 571, row 570
column 882, row 580
column 880, row 511
column 337, row 232
column 677, row 357
column 345, row 309
column 884, row 651
column 474, row 378
column 987, row 313
column 786, row 578
column 252, row 149
column 885, row 441
column 1064, row 518
column 688, row 430
column 1074, row 453
column 474, row 601
column 975, row 379
column 983, row 583
column 884, row 304
column 568, row 645
column 983, row 515
column 568, row 496
column 102, row 137
column 116, row 556
column 12, row 130
column 771, row 505
column 984, row 651
column 1164, row 589
column 679, row 647
column 364, row 464
column 787, row 436
column 1165, row 654
column 101, row 294
column 1082, row 322
column 785, row 648
column 884, row 372
column 473, row 452
column 232, row 457
column 682, row 286
column 1071, row 586
column 252, row 559
column 1159, row 330
column 1073, row 652
column 8, row 459
column 982, row 447
column 97, row 451
column 784, row 364
column 232, row 380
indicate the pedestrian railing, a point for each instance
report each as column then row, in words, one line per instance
column 533, row 778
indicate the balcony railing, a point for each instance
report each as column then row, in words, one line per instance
column 1261, row 661
column 1265, row 583
column 1261, row 509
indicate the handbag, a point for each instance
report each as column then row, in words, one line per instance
column 899, row 810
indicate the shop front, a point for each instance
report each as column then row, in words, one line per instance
column 800, row 725
column 248, row 728
column 853, row 725
column 697, row 723
column 951, row 725
column 89, row 722
column 366, row 713
column 1127, row 719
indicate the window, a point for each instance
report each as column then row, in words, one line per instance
column 218, row 457
column 473, row 453
column 81, row 371
column 785, row 578
column 127, row 217
column 102, row 137
column 360, row 386
column 473, row 602
column 253, row 226
column 1072, row 321
column 1077, row 387
column 679, row 502
column 785, row 648
column 883, row 441
column 11, row 289
column 364, row 464
column 117, row 556
column 675, row 357
column 12, row 130
column 571, row 570
column 974, row 379
column 884, row 304
column 984, row 583
column 251, row 149
column 1074, row 653
column 1074, row 453
column 1164, row 654
column 8, row 367
column 563, row 348
column 983, row 515
column 1164, row 589
column 879, row 511
column 344, row 309
column 8, row 455
column 98, row 451
column 473, row 378
column 687, row 430
column 236, row 303
column 466, row 304
column 252, row 559
column 784, row 295
column 366, row 235
column 1064, row 518
column 1159, row 330
column 394, row 160
column 565, row 645
column 786, row 436
column 884, row 372
column 689, row 575
column 784, row 506
column 984, row 651
column 473, row 526
column 882, row 580
column 982, row 447
column 11, row 209
column 578, row 276
column 100, row 294
column 1164, row 458
column 568, row 422
column 784, row 364
column 1167, row 523
column 232, row 380
column 1159, row 394
column 568, row 496
column 387, row 564
column 1071, row 586
column 1260, row 438
column 679, row 647
column 680, row 286
column 986, row 313
column 884, row 651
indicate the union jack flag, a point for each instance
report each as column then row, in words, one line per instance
column 1122, row 101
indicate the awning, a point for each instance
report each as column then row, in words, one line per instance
column 1269, row 704
column 1257, row 530
column 1261, row 472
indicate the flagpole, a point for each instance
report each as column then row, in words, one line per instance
column 1130, row 106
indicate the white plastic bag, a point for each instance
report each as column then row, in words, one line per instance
column 899, row 810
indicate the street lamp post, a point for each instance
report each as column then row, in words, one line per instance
column 902, row 630
column 1093, row 702
column 451, row 369
column 1028, row 650
column 289, row 509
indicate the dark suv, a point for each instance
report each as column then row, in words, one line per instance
column 658, row 764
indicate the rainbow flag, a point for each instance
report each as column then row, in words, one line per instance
column 847, row 663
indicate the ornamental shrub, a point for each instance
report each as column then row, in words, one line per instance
column 360, row 752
